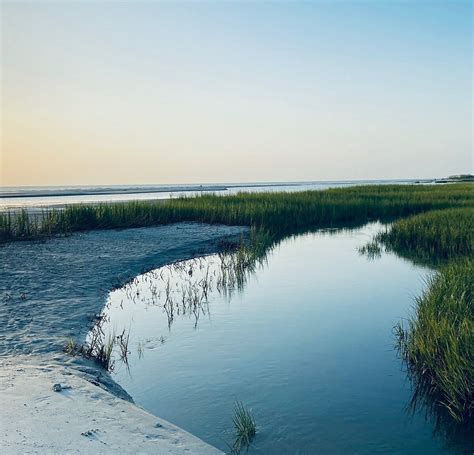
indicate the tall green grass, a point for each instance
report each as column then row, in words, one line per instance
column 432, row 236
column 245, row 427
column 278, row 213
column 438, row 344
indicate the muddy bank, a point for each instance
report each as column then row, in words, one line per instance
column 51, row 291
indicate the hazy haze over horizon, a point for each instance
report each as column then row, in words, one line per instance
column 148, row 92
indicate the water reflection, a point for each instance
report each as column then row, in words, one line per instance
column 454, row 435
column 425, row 398
column 306, row 342
column 182, row 289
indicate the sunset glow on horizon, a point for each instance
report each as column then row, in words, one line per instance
column 158, row 93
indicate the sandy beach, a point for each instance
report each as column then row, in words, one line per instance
column 51, row 291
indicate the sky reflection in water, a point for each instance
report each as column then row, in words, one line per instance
column 307, row 344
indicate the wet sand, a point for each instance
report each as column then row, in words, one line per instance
column 51, row 291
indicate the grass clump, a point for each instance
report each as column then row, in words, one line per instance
column 245, row 427
column 101, row 353
column 438, row 344
column 434, row 236
column 101, row 348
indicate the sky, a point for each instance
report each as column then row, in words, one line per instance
column 106, row 92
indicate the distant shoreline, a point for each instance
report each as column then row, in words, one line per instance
column 89, row 190
column 86, row 191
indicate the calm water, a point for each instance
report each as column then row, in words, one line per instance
column 45, row 196
column 307, row 344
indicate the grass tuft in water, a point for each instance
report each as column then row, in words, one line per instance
column 101, row 348
column 70, row 347
column 245, row 427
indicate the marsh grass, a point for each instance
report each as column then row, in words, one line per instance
column 276, row 213
column 70, row 347
column 244, row 426
column 432, row 237
column 103, row 353
column 438, row 343
column 100, row 347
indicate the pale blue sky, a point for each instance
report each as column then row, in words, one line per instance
column 149, row 92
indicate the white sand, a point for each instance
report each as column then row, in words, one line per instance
column 81, row 419
column 50, row 291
